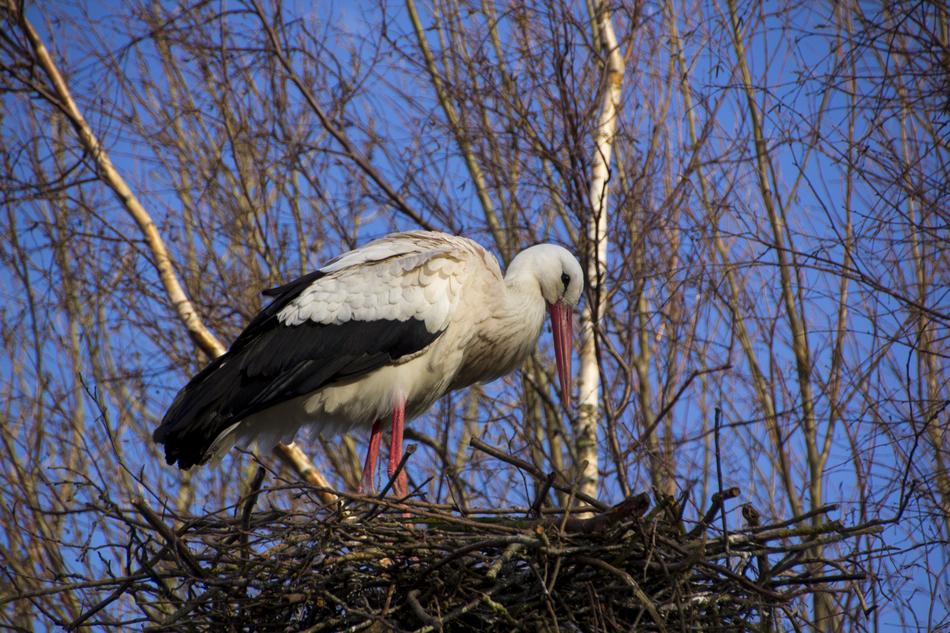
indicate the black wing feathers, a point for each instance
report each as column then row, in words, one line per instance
column 270, row 363
column 282, row 295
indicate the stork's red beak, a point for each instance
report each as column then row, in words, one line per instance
column 562, row 323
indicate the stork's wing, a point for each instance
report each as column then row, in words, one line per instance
column 367, row 309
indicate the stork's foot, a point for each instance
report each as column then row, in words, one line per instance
column 367, row 483
column 400, row 486
column 366, row 486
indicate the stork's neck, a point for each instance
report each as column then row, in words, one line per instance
column 522, row 302
column 507, row 334
column 518, row 319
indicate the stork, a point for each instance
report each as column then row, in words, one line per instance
column 379, row 332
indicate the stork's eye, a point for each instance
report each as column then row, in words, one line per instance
column 566, row 280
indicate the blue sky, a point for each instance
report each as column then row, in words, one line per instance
column 794, row 67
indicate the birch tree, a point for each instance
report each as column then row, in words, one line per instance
column 589, row 381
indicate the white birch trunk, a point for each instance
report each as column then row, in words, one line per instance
column 588, row 414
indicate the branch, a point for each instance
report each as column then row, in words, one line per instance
column 458, row 131
column 349, row 149
column 111, row 176
column 528, row 468
column 199, row 333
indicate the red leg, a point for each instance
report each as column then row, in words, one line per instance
column 372, row 456
column 395, row 448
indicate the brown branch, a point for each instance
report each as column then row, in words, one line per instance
column 293, row 456
column 633, row 506
column 413, row 598
column 679, row 392
column 349, row 149
column 534, row 472
column 715, row 507
column 171, row 539
column 199, row 333
column 633, row 584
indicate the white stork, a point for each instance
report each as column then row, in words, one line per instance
column 379, row 332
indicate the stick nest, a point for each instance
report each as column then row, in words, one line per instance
column 375, row 564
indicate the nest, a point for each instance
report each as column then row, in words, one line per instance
column 378, row 564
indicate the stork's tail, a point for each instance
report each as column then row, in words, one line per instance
column 198, row 426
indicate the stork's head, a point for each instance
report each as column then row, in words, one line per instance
column 561, row 280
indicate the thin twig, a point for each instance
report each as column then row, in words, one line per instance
column 534, row 472
column 725, row 529
column 718, row 499
column 633, row 584
column 170, row 537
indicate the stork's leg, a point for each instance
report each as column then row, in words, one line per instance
column 395, row 448
column 372, row 456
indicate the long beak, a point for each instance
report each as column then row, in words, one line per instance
column 562, row 325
